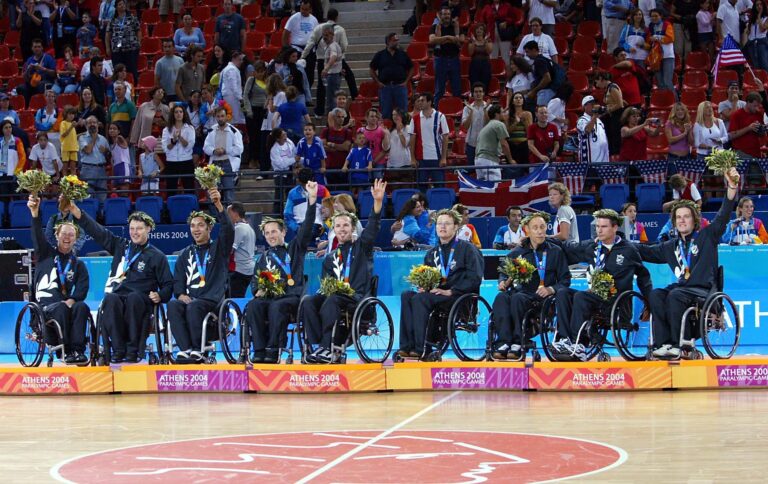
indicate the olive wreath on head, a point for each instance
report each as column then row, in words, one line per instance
column 269, row 220
column 208, row 218
column 527, row 219
column 610, row 214
column 142, row 217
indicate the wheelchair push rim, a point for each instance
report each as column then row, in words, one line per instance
column 30, row 339
column 373, row 331
column 720, row 326
column 631, row 336
column 230, row 321
column 468, row 322
column 548, row 326
column 163, row 336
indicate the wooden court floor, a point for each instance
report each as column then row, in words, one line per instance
column 684, row 436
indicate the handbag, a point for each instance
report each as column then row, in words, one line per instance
column 654, row 58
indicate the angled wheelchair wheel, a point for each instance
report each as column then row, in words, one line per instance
column 30, row 339
column 230, row 321
column 631, row 334
column 373, row 331
column 468, row 327
column 720, row 326
column 597, row 332
column 91, row 342
column 304, row 345
column 163, row 337
column 548, row 326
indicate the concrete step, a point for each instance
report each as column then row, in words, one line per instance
column 251, row 207
column 348, row 9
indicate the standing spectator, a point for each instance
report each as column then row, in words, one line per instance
column 95, row 81
column 311, row 154
column 297, row 32
column 543, row 75
column 745, row 127
column 255, row 94
column 337, row 141
column 429, row 141
column 625, row 73
column 275, row 97
column 331, row 73
column 679, row 133
column 243, row 248
column 660, row 32
column 65, row 20
column 446, row 38
column 543, row 138
column 565, row 227
column 473, row 118
column 106, row 14
column 150, row 166
column 632, row 37
column 47, row 119
column 45, row 157
column 757, row 42
column 391, row 69
column 480, row 47
column 39, row 70
column 490, row 138
column 728, row 20
column 195, row 113
column 521, row 77
column 291, row 115
column 634, row 135
column 218, row 61
column 615, row 14
column 593, row 141
column 556, row 108
column 286, row 64
column 68, row 139
column 174, row 6
column 378, row 141
column 511, row 235
column 150, row 117
column 359, row 158
column 108, row 71
column 683, row 15
column 89, row 107
column 705, row 19
column 6, row 110
column 124, row 38
column 544, row 42
column 282, row 156
column 296, row 202
column 120, row 160
column 498, row 18
column 188, row 36
column 122, row 111
column 66, row 73
column 178, row 144
column 92, row 156
column 224, row 146
column 87, row 32
column 230, row 28
column 44, row 7
column 167, row 69
column 232, row 88
column 708, row 132
column 518, row 122
column 545, row 10
column 30, row 23
column 13, row 159
column 614, row 106
column 399, row 153
column 682, row 189
column 191, row 75
column 726, row 108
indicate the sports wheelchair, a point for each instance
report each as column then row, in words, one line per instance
column 462, row 324
column 155, row 318
column 539, row 320
column 367, row 325
column 32, row 324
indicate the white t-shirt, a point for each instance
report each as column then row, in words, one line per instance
column 283, row 157
column 755, row 31
column 520, row 82
column 556, row 109
column 567, row 215
column 49, row 158
column 546, row 44
column 301, row 28
column 428, row 142
column 694, row 193
column 279, row 99
column 713, row 137
column 544, row 12
column 730, row 18
column 597, row 140
column 704, row 21
column 399, row 153
column 478, row 121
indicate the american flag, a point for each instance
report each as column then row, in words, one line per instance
column 730, row 55
column 488, row 199
column 574, row 175
column 611, row 172
column 763, row 164
column 652, row 171
column 691, row 168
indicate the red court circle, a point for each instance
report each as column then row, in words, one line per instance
column 349, row 456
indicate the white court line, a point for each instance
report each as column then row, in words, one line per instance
column 375, row 439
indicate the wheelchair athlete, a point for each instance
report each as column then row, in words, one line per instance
column 692, row 255
column 551, row 276
column 608, row 252
column 268, row 318
column 461, row 265
column 352, row 261
column 61, row 283
column 139, row 277
column 199, row 279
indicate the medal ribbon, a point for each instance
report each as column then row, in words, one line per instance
column 62, row 273
column 129, row 260
column 285, row 266
column 540, row 266
column 201, row 265
column 348, row 263
column 445, row 268
column 686, row 255
column 599, row 256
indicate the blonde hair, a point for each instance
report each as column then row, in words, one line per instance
column 673, row 119
column 563, row 191
column 346, row 201
column 700, row 113
column 327, row 203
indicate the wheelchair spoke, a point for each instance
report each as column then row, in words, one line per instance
column 30, row 339
column 631, row 334
column 720, row 326
column 373, row 331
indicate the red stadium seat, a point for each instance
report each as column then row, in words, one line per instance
column 416, row 76
column 421, row 34
column 695, row 80
column 358, row 108
column 8, row 69
column 692, row 97
column 251, row 12
column 426, row 85
column 451, row 106
column 498, row 68
column 71, row 99
column 268, row 53
column 264, row 25
column 428, row 17
column 749, row 79
column 662, row 99
column 12, row 38
column 581, row 62
column 27, row 119
column 561, row 45
column 494, row 87
column 579, row 81
column 564, row 30
column 725, row 76
column 697, row 60
column 719, row 94
column 150, row 46
column 429, row 70
column 276, row 39
column 18, row 103
column 458, row 151
column 585, row 45
column 658, row 147
column 368, row 91
column 589, row 28
column 5, row 52
column 418, row 52
column 255, row 40
column 605, row 62
column 147, row 79
column 36, row 102
column 209, row 27
column 574, row 105
column 465, row 88
column 163, row 30
column 150, row 16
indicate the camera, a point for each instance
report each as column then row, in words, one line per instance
column 599, row 110
column 762, row 130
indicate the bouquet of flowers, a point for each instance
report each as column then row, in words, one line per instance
column 269, row 282
column 601, row 284
column 424, row 277
column 720, row 161
column 73, row 189
column 208, row 176
column 330, row 285
column 33, row 181
column 519, row 269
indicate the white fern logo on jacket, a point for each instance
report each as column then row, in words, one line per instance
column 114, row 280
column 192, row 272
column 49, row 282
column 338, row 266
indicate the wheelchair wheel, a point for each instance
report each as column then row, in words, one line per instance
column 720, row 326
column 30, row 339
column 468, row 327
column 163, row 337
column 373, row 331
column 230, row 319
column 304, row 347
column 548, row 326
column 631, row 335
column 91, row 342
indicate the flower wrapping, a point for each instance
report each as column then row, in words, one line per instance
column 331, row 285
column 424, row 277
column 73, row 189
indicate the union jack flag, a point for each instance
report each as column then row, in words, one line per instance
column 611, row 173
column 652, row 171
column 488, row 199
column 691, row 168
column 574, row 175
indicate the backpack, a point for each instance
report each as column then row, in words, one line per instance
column 558, row 75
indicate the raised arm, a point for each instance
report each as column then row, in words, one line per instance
column 226, row 229
column 720, row 222
column 379, row 191
column 43, row 249
column 109, row 241
column 304, row 236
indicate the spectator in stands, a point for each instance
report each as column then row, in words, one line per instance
column 120, row 160
column 568, row 11
column 122, row 111
column 65, row 19
column 174, row 6
column 6, row 110
column 107, row 72
column 660, row 32
column 499, row 19
column 540, row 90
column 286, row 64
column 68, row 139
column 195, row 113
column 593, row 141
column 44, row 156
column 728, row 20
column 66, row 73
column 150, row 117
column 282, row 155
column 191, row 75
column 178, row 143
column 187, row 36
column 341, row 103
column 565, row 227
column 391, row 69
column 614, row 107
column 92, row 158
column 150, row 166
column 87, row 32
column 747, row 126
column 218, row 61
column 19, row 133
column 705, row 19
column 106, row 14
column 297, row 33
column 291, row 115
column 473, row 118
column 39, row 70
column 123, row 38
column 543, row 138
column 377, row 137
column 429, row 141
column 95, row 81
column 556, row 108
column 311, row 154
column 48, row 117
column 337, row 141
column 296, row 202
column 30, row 23
column 231, row 88
column 510, row 235
column 167, row 69
column 679, row 133
column 243, row 249
column 683, row 16
column 544, row 10
column 89, row 107
column 615, row 14
column 492, row 137
column 634, row 134
column 466, row 230
column 255, row 94
column 224, row 146
column 626, row 73
column 518, row 122
column 446, row 38
column 633, row 230
column 520, row 80
column 416, row 229
column 708, row 132
column 632, row 38
column 13, row 159
column 479, row 48
column 746, row 229
column 399, row 158
column 729, row 106
column 682, row 189
column 331, row 72
column 275, row 97
column 757, row 42
column 543, row 41
column 359, row 158
column 230, row 28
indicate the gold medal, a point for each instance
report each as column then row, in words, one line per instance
column 202, row 283
column 290, row 281
column 687, row 274
column 541, row 283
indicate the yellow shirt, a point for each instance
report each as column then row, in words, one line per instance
column 69, row 142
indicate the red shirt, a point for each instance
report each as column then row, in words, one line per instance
column 335, row 159
column 626, row 79
column 750, row 142
column 634, row 147
column 543, row 139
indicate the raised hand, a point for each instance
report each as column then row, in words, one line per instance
column 733, row 178
column 215, row 196
column 311, row 191
column 379, row 190
column 33, row 203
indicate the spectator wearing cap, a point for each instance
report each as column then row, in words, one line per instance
column 6, row 110
column 13, row 158
column 391, row 69
column 726, row 108
column 593, row 140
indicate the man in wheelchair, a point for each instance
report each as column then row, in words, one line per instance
column 551, row 276
column 609, row 253
column 267, row 317
column 351, row 262
column 199, row 279
column 61, row 284
column 461, row 266
column 139, row 277
column 692, row 256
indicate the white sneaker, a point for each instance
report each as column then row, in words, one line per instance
column 324, row 356
column 562, row 345
column 578, row 351
column 664, row 351
column 673, row 352
column 195, row 357
column 515, row 348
